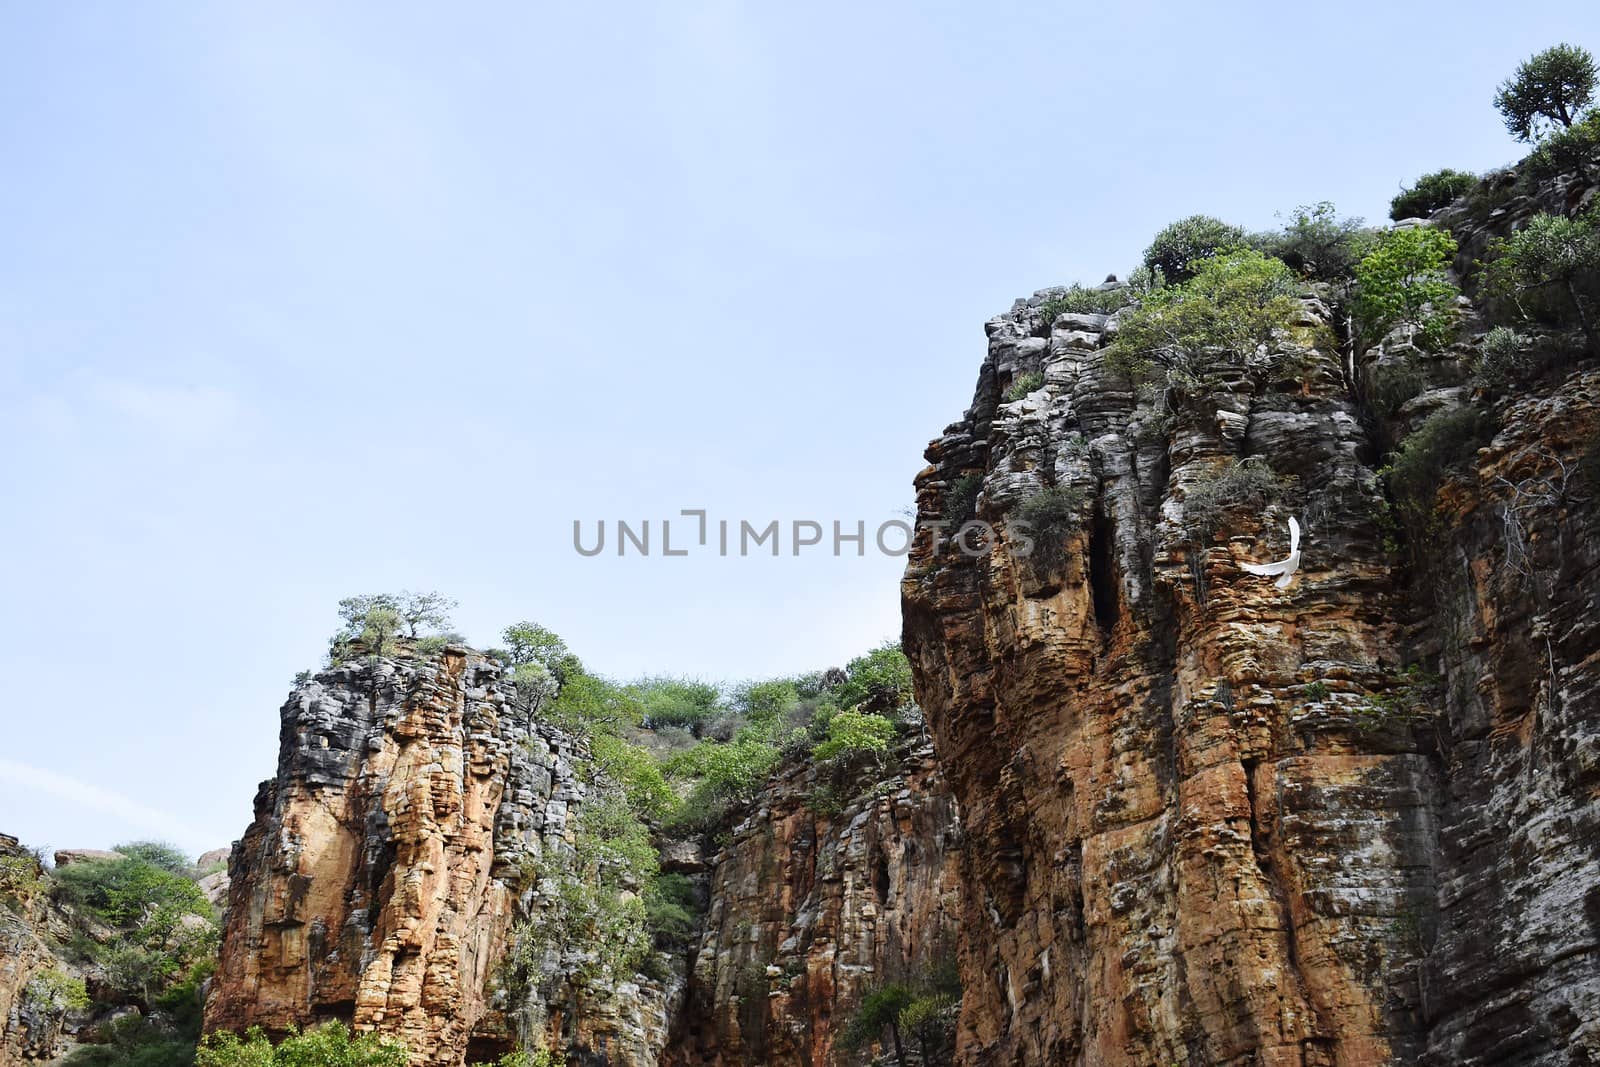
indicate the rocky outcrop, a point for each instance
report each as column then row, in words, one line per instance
column 31, row 1027
column 381, row 877
column 1511, row 941
column 1211, row 822
column 825, row 889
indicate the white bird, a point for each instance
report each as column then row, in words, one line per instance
column 1284, row 567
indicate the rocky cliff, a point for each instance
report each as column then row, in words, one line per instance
column 823, row 891
column 380, row 879
column 30, row 1025
column 1209, row 821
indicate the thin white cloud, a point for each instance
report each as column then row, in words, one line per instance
column 187, row 412
column 103, row 801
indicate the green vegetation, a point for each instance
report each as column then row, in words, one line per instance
column 375, row 621
column 151, row 909
column 1317, row 243
column 1077, row 299
column 1444, row 443
column 672, row 908
column 21, row 879
column 961, row 498
column 920, row 1011
column 538, row 1056
column 1566, row 151
column 1024, row 385
column 854, row 733
column 726, row 774
column 1390, row 385
column 1406, row 705
column 1430, row 193
column 685, row 702
column 1502, row 355
column 1237, row 303
column 1551, row 90
column 130, row 888
column 1549, row 271
column 588, row 928
column 878, row 681
column 1242, row 484
column 329, row 1045
column 1403, row 282
column 136, row 1041
column 54, row 990
column 1176, row 250
column 1053, row 514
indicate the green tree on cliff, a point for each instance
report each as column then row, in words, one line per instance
column 1551, row 89
column 1405, row 282
column 1549, row 270
column 1238, row 303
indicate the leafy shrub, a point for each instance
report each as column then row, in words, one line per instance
column 588, row 704
column 1550, row 271
column 1081, row 300
column 1177, row 248
column 636, row 772
column 880, row 1009
column 1502, row 355
column 685, row 702
column 136, row 1041
column 1444, row 443
column 1566, row 151
column 167, row 857
column 1242, row 483
column 538, row 1056
column 731, row 771
column 929, row 1022
column 1236, row 303
column 1318, row 243
column 854, row 733
column 1550, row 90
column 589, row 923
column 1053, row 514
column 1390, row 385
column 373, row 622
column 21, row 878
column 528, row 642
column 1024, row 385
column 332, row 1044
column 125, row 890
column 1430, row 193
column 766, row 701
column 878, row 681
column 961, row 498
column 55, row 990
column 1403, row 282
column 672, row 907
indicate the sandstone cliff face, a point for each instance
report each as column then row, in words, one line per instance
column 812, row 902
column 1211, row 822
column 30, row 1028
column 379, row 881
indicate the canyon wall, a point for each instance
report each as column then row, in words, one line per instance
column 824, row 890
column 380, row 879
column 383, row 873
column 1209, row 821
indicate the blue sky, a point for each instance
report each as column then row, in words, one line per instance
column 305, row 300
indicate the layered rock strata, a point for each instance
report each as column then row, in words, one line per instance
column 382, row 875
column 824, row 891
